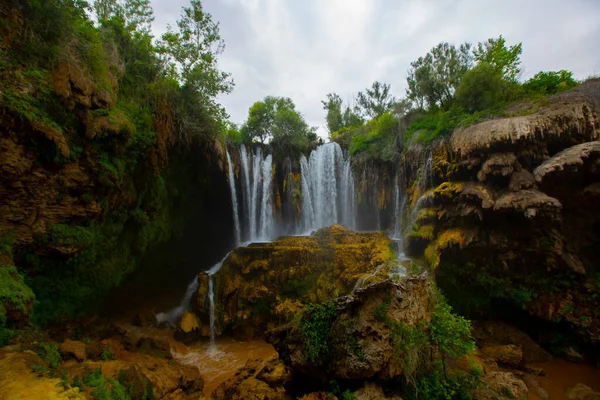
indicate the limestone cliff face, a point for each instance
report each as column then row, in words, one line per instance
column 267, row 283
column 513, row 213
column 83, row 200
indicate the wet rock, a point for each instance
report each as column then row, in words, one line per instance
column 508, row 355
column 360, row 344
column 582, row 392
column 145, row 319
column 488, row 333
column 72, row 348
column 189, row 322
column 256, row 282
column 499, row 385
column 372, row 392
column 573, row 355
column 257, row 380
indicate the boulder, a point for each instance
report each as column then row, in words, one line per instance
column 582, row 392
column 567, row 165
column 72, row 348
column 257, row 380
column 372, row 392
column 359, row 340
column 498, row 385
column 498, row 165
column 530, row 203
column 508, row 355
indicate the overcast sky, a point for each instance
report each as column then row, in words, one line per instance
column 304, row 49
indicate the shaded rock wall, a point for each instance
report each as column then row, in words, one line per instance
column 511, row 220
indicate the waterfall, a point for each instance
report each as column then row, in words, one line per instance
column 308, row 213
column 398, row 210
column 234, row 203
column 172, row 316
column 256, row 181
column 323, row 185
column 246, row 190
column 266, row 210
column 348, row 196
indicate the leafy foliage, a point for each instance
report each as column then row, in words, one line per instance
column 548, row 83
column 504, row 60
column 315, row 325
column 375, row 101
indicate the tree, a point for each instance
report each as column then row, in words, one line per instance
column 551, row 82
column 193, row 51
column 275, row 119
column 503, row 59
column 375, row 101
column 335, row 118
column 480, row 89
column 138, row 15
column 107, row 9
column 433, row 79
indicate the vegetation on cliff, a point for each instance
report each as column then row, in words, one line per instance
column 99, row 123
column 448, row 88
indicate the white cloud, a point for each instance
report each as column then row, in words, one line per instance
column 305, row 49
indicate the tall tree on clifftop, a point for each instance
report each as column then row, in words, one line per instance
column 375, row 101
column 505, row 60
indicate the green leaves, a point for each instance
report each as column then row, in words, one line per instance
column 505, row 60
column 547, row 83
column 375, row 101
column 314, row 328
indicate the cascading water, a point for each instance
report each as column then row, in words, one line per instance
column 348, row 195
column 211, row 296
column 172, row 316
column 256, row 183
column 246, row 188
column 266, row 210
column 323, row 185
column 236, row 217
column 308, row 212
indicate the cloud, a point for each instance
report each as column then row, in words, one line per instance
column 306, row 49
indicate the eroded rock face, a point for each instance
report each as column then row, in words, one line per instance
column 515, row 213
column 360, row 344
column 269, row 282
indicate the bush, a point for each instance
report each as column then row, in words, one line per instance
column 548, row 83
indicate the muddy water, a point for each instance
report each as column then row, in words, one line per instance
column 561, row 375
column 221, row 362
column 216, row 363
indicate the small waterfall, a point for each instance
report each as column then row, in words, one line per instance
column 211, row 296
column 399, row 201
column 234, row 203
column 266, row 211
column 172, row 316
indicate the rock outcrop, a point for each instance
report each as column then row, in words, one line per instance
column 360, row 340
column 513, row 213
column 266, row 283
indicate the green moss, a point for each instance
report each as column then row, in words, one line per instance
column 50, row 354
column 15, row 295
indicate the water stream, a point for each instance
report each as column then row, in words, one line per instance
column 235, row 212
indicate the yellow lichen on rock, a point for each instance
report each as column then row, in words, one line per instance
column 17, row 381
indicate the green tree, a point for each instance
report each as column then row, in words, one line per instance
column 193, row 50
column 551, row 82
column 505, row 60
column 480, row 88
column 138, row 15
column 433, row 78
column 107, row 9
column 375, row 101
column 275, row 119
column 335, row 118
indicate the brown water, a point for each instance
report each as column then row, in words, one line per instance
column 561, row 375
column 221, row 362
